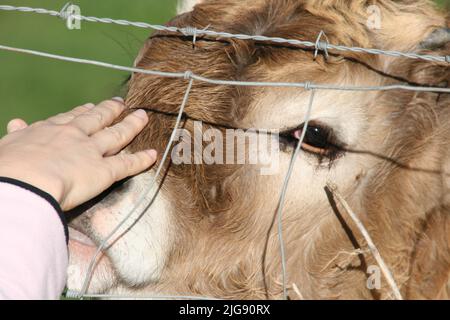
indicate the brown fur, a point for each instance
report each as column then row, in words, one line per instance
column 226, row 245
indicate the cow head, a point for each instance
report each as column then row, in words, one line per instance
column 211, row 228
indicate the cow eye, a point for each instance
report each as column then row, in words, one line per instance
column 319, row 140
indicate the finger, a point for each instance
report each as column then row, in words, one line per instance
column 66, row 117
column 124, row 165
column 113, row 139
column 99, row 117
column 16, row 125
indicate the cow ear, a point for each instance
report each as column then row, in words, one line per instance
column 186, row 5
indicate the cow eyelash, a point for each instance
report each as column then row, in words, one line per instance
column 319, row 140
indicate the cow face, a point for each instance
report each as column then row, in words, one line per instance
column 210, row 228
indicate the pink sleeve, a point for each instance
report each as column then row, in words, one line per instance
column 33, row 250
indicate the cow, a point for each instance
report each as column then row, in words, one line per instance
column 211, row 228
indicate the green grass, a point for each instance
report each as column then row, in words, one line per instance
column 34, row 88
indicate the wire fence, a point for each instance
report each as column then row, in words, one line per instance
column 317, row 45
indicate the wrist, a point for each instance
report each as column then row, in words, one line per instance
column 41, row 193
column 52, row 186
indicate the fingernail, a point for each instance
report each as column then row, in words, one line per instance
column 152, row 153
column 141, row 114
column 120, row 99
column 15, row 125
column 12, row 126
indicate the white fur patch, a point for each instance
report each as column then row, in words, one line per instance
column 79, row 260
column 140, row 254
column 186, row 5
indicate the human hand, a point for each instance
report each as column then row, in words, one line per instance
column 74, row 156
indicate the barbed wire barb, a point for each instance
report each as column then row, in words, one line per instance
column 322, row 45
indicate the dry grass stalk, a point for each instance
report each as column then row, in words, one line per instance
column 351, row 254
column 373, row 249
column 297, row 291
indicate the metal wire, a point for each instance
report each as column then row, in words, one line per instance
column 305, row 85
column 284, row 191
column 76, row 295
column 323, row 46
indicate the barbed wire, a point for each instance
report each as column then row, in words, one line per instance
column 318, row 45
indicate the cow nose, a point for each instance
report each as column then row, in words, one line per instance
column 81, row 223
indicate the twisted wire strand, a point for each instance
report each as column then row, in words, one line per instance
column 284, row 191
column 324, row 46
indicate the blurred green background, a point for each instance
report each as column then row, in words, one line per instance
column 34, row 88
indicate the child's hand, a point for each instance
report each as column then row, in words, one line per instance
column 73, row 156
